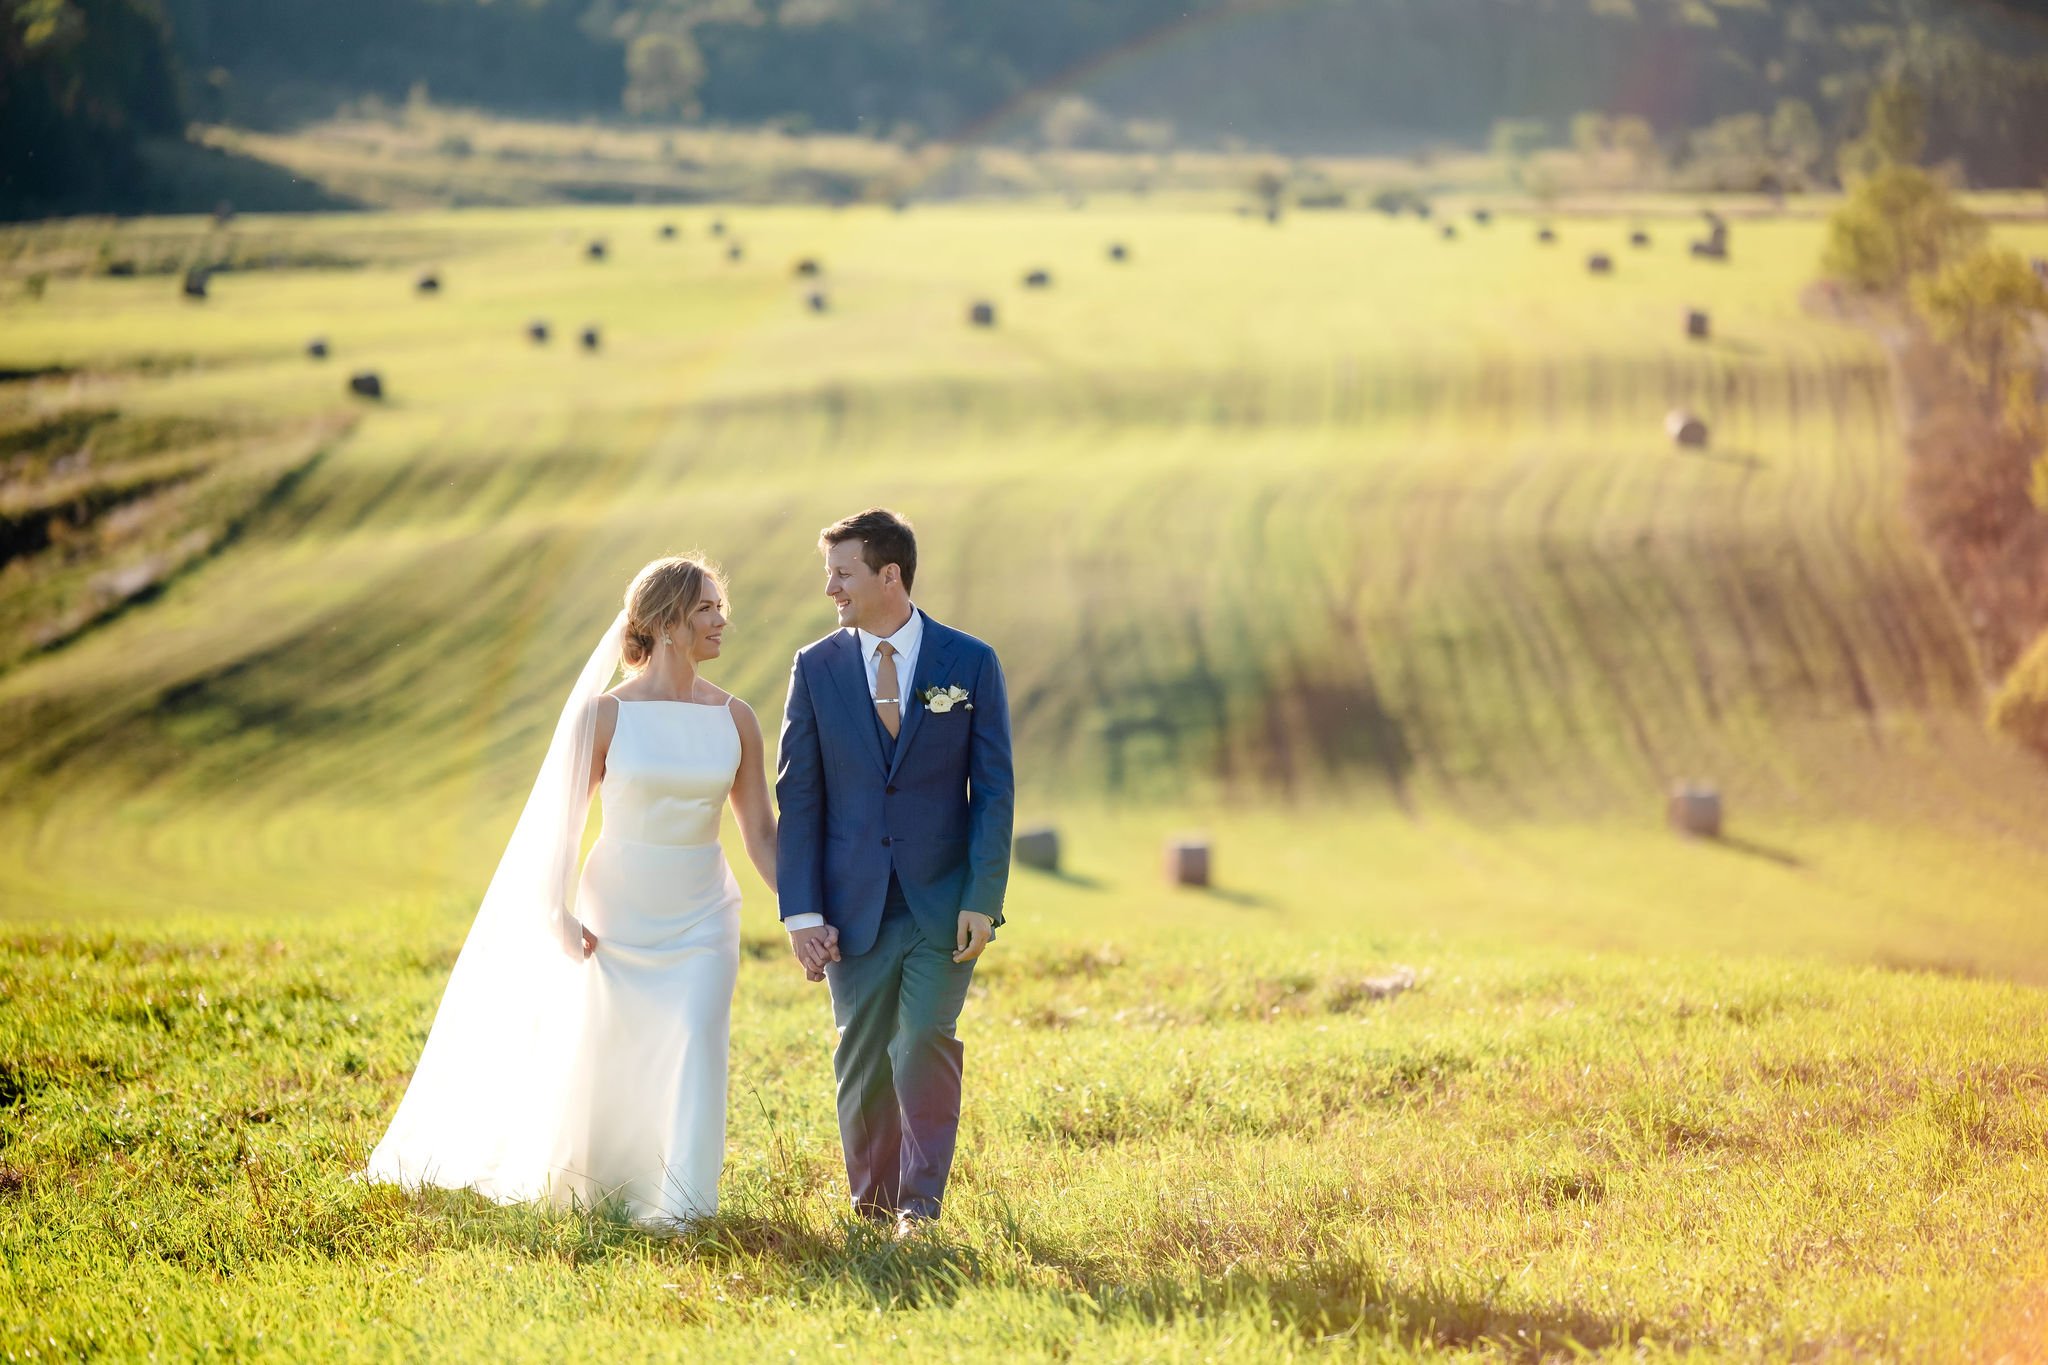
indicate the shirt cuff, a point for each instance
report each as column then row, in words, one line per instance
column 810, row 921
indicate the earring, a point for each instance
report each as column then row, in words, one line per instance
column 665, row 640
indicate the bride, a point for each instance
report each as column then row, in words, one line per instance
column 579, row 1054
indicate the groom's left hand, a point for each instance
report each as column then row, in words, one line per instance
column 972, row 936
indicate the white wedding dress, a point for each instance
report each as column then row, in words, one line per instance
column 644, row 1118
column 550, row 1077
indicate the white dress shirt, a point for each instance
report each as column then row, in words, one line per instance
column 906, row 641
column 909, row 637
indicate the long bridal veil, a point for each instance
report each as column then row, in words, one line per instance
column 483, row 1109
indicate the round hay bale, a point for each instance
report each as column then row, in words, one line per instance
column 1694, row 810
column 121, row 270
column 429, row 283
column 196, row 281
column 1449, row 233
column 1546, row 234
column 1600, row 263
column 1119, row 252
column 592, row 338
column 1698, row 326
column 1686, row 429
column 807, row 269
column 597, row 250
column 366, row 384
column 718, row 227
column 1713, row 249
column 1482, row 216
column 1038, row 279
column 817, row 302
column 537, row 332
column 982, row 314
column 1037, row 848
column 1273, row 214
column 1188, row 862
column 735, row 253
column 1639, row 238
column 1424, row 211
column 667, row 232
column 316, row 349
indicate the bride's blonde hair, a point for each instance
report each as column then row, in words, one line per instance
column 660, row 597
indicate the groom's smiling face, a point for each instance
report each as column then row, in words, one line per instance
column 860, row 595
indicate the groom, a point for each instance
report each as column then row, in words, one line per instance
column 894, row 850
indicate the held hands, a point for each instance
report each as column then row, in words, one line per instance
column 973, row 935
column 814, row 948
column 577, row 942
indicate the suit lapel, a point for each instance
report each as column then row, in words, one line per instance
column 934, row 656
column 848, row 672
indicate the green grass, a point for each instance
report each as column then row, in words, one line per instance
column 1187, row 1142
column 1363, row 551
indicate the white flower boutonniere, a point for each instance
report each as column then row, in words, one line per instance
column 940, row 700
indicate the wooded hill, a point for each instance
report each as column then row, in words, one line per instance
column 82, row 81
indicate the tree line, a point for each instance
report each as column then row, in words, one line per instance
column 1964, row 318
column 80, row 80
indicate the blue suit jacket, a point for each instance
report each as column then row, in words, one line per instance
column 938, row 814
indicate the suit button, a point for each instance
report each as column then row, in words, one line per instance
column 889, row 791
column 885, row 841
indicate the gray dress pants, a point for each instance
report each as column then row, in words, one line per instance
column 898, row 1065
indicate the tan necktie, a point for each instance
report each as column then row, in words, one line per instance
column 888, row 698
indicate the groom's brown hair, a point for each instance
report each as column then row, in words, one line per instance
column 884, row 537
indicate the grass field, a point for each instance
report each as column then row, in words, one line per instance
column 1360, row 549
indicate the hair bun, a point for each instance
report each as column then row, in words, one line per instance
column 660, row 598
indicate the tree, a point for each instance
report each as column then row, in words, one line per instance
column 1514, row 141
column 1154, row 135
column 1073, row 121
column 1894, row 132
column 2020, row 710
column 663, row 73
column 1985, row 307
column 1897, row 223
column 82, row 82
column 1634, row 138
column 1796, row 140
column 1896, row 122
column 1592, row 133
column 1732, row 153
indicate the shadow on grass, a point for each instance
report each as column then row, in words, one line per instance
column 1077, row 880
column 1250, row 900
column 1741, row 459
column 1752, row 849
column 927, row 1270
column 1335, row 1297
column 1345, row 1298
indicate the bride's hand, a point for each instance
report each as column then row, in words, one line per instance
column 589, row 943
